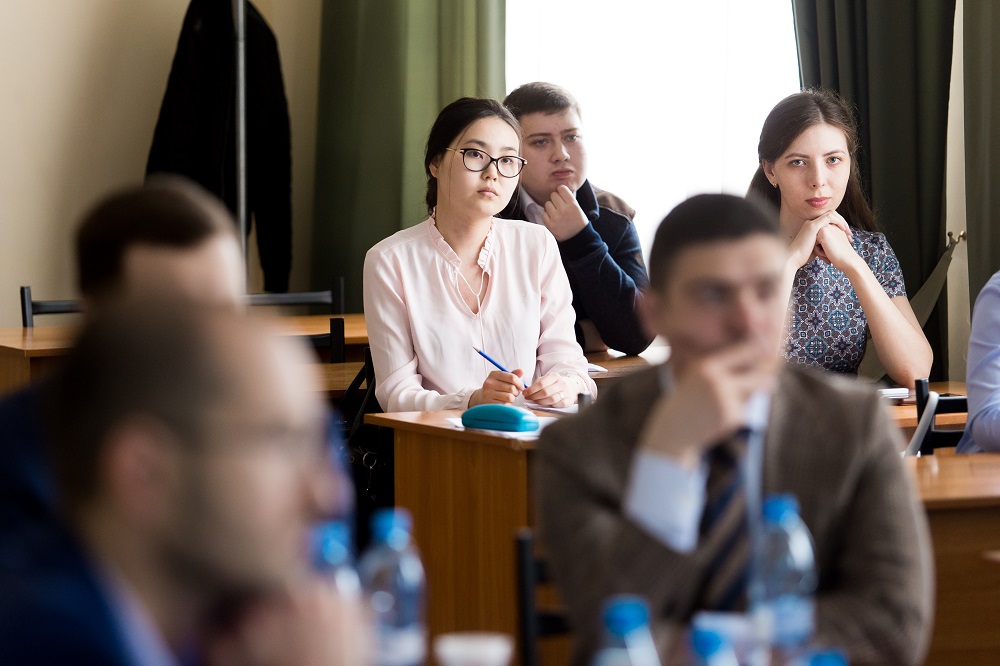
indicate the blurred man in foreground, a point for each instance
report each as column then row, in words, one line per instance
column 167, row 238
column 190, row 457
column 646, row 491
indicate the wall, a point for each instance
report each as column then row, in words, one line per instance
column 80, row 88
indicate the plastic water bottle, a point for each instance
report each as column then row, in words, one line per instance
column 712, row 649
column 331, row 556
column 628, row 640
column 393, row 579
column 782, row 597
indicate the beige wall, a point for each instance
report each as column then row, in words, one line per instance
column 80, row 87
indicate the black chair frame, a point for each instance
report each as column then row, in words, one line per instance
column 31, row 307
column 533, row 623
column 951, row 404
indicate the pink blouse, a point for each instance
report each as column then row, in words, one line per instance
column 422, row 332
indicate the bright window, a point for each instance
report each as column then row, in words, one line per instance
column 673, row 94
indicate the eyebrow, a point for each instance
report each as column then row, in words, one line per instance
column 832, row 152
column 483, row 145
column 565, row 131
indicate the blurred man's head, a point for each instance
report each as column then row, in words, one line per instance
column 166, row 238
column 715, row 272
column 193, row 441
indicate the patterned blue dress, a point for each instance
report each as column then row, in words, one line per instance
column 827, row 327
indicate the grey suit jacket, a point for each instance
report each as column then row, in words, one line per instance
column 829, row 441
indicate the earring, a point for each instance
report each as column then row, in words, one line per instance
column 774, row 185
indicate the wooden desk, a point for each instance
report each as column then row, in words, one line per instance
column 336, row 377
column 619, row 365
column 905, row 416
column 962, row 498
column 355, row 330
column 469, row 492
column 27, row 353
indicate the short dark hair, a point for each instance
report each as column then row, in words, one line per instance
column 169, row 211
column 540, row 97
column 450, row 123
column 791, row 117
column 706, row 218
column 154, row 359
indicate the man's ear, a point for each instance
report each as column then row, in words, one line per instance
column 140, row 468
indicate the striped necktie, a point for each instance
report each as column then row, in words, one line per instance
column 724, row 531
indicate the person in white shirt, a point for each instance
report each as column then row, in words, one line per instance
column 982, row 433
column 459, row 281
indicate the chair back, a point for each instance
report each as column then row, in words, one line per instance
column 923, row 424
column 31, row 307
column 935, row 438
column 533, row 623
column 334, row 297
column 369, row 450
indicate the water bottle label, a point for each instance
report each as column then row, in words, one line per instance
column 401, row 647
column 789, row 620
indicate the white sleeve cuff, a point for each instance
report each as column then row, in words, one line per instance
column 666, row 499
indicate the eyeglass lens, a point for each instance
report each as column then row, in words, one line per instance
column 477, row 160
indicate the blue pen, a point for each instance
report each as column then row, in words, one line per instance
column 497, row 365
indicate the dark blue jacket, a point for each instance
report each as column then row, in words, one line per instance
column 27, row 495
column 52, row 609
column 605, row 268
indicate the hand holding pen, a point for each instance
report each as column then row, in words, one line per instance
column 500, row 386
column 551, row 390
column 495, row 364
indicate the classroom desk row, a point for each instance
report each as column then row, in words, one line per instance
column 465, row 522
column 27, row 353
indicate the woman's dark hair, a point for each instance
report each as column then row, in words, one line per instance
column 450, row 123
column 790, row 118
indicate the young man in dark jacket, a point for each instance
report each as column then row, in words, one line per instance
column 597, row 240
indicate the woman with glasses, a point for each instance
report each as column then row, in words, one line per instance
column 843, row 276
column 461, row 281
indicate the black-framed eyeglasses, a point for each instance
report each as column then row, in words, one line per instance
column 474, row 159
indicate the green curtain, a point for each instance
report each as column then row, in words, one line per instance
column 387, row 67
column 981, row 62
column 892, row 60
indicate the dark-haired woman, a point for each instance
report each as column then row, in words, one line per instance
column 460, row 281
column 844, row 279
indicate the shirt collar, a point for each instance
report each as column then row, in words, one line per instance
column 142, row 639
column 485, row 253
column 532, row 210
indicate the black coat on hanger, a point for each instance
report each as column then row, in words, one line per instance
column 196, row 130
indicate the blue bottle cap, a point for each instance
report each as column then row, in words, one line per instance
column 706, row 642
column 624, row 614
column 778, row 508
column 390, row 525
column 331, row 544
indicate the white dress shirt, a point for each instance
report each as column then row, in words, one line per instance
column 982, row 431
column 667, row 499
column 422, row 332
